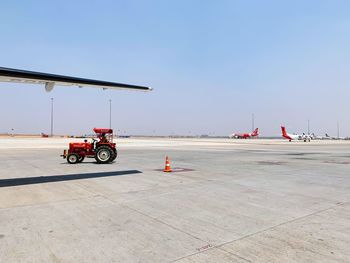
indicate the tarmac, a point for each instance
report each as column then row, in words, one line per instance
column 228, row 201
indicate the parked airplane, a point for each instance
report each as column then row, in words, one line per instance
column 245, row 135
column 304, row 137
column 50, row 80
column 317, row 137
column 327, row 137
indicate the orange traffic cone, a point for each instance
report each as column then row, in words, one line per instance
column 167, row 168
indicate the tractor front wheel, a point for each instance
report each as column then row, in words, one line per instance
column 72, row 158
column 81, row 159
column 103, row 154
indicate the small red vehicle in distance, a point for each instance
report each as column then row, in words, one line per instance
column 103, row 149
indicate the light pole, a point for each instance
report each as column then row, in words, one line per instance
column 51, row 117
column 308, row 126
column 110, row 114
column 338, row 129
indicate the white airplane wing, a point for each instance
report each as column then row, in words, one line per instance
column 51, row 80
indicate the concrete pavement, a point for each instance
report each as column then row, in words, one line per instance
column 244, row 201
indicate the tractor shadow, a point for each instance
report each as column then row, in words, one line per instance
column 61, row 178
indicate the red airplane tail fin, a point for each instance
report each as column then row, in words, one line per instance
column 284, row 132
column 255, row 132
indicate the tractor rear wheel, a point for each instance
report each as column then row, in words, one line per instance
column 103, row 154
column 113, row 156
column 72, row 158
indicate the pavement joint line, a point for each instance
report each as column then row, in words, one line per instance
column 212, row 248
column 49, row 202
column 150, row 196
column 86, row 188
column 233, row 254
column 261, row 231
column 284, row 223
column 98, row 194
column 52, row 254
column 193, row 236
column 162, row 222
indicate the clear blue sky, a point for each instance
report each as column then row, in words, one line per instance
column 211, row 63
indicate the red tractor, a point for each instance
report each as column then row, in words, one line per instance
column 103, row 149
